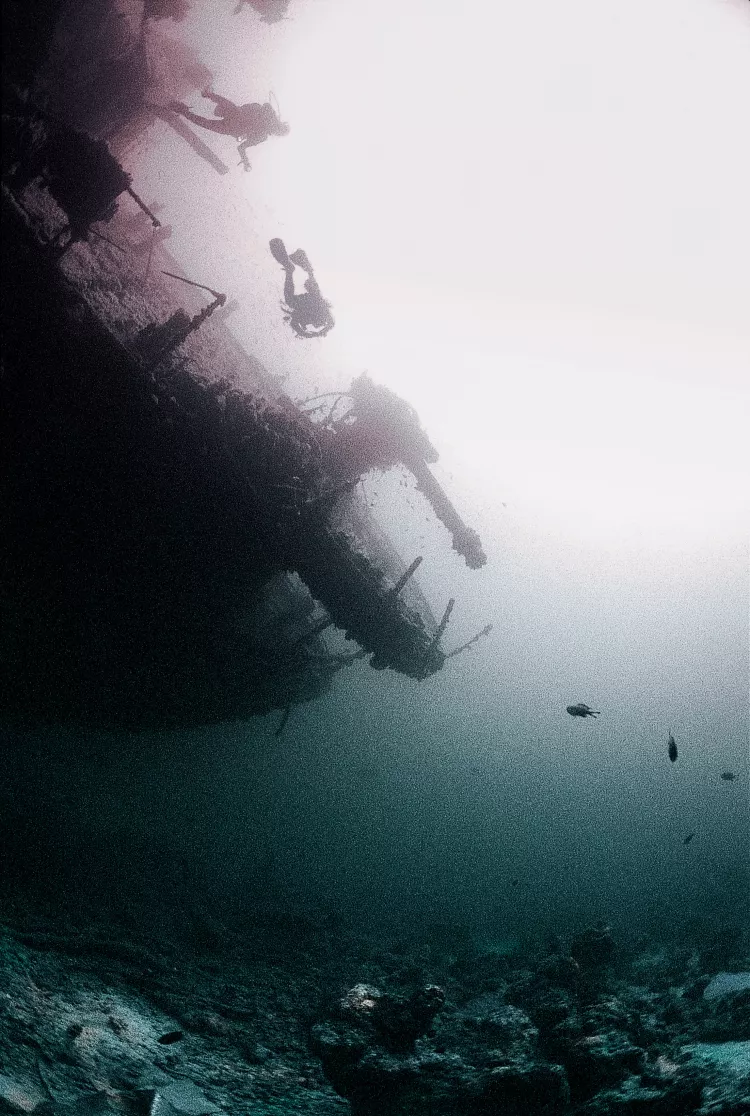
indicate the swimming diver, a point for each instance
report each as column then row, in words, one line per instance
column 308, row 313
column 251, row 124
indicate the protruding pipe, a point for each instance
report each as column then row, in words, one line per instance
column 470, row 642
column 406, row 575
column 154, row 220
column 101, row 236
column 440, row 629
column 465, row 540
column 444, row 622
column 185, row 331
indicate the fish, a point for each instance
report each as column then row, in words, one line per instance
column 671, row 748
column 581, row 710
column 688, row 839
column 728, row 776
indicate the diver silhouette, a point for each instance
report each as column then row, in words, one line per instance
column 308, row 313
column 252, row 124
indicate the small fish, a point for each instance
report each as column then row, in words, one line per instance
column 581, row 710
column 515, row 882
column 688, row 839
column 671, row 748
column 728, row 776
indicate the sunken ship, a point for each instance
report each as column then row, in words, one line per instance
column 179, row 536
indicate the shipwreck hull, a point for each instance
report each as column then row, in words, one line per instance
column 154, row 515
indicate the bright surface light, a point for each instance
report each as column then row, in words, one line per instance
column 602, row 436
column 532, row 220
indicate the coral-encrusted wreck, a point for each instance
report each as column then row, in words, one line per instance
column 173, row 546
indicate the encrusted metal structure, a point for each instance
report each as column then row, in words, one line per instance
column 178, row 535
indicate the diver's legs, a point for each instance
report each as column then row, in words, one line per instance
column 289, row 295
column 202, row 121
column 223, row 106
column 300, row 259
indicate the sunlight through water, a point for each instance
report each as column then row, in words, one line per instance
column 520, row 238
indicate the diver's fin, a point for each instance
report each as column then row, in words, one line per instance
column 300, row 258
column 278, row 251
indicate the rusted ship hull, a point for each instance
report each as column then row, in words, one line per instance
column 151, row 521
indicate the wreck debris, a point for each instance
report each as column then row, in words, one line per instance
column 465, row 540
column 142, row 205
column 192, row 283
column 441, row 628
column 381, row 430
column 156, row 341
column 470, row 642
column 409, row 572
column 106, row 239
column 80, row 173
column 200, row 496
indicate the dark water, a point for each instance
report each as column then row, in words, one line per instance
column 471, row 798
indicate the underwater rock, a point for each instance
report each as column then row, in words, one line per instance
column 663, row 968
column 532, row 1088
column 596, row 1048
column 96, row 1011
column 726, row 984
column 504, row 1027
column 550, row 1008
column 593, row 947
column 729, row 1017
column 545, row 995
column 434, row 1083
column 256, row 1054
column 724, row 1071
column 359, row 1001
column 181, row 1098
column 598, row 1060
column 18, row 1097
column 470, row 1060
column 341, row 1049
column 561, row 971
column 633, row 1098
column 400, row 1022
column 397, row 1020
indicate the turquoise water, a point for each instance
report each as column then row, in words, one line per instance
column 471, row 798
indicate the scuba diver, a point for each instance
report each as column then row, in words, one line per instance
column 251, row 124
column 308, row 313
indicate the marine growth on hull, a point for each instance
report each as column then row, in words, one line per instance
column 177, row 544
